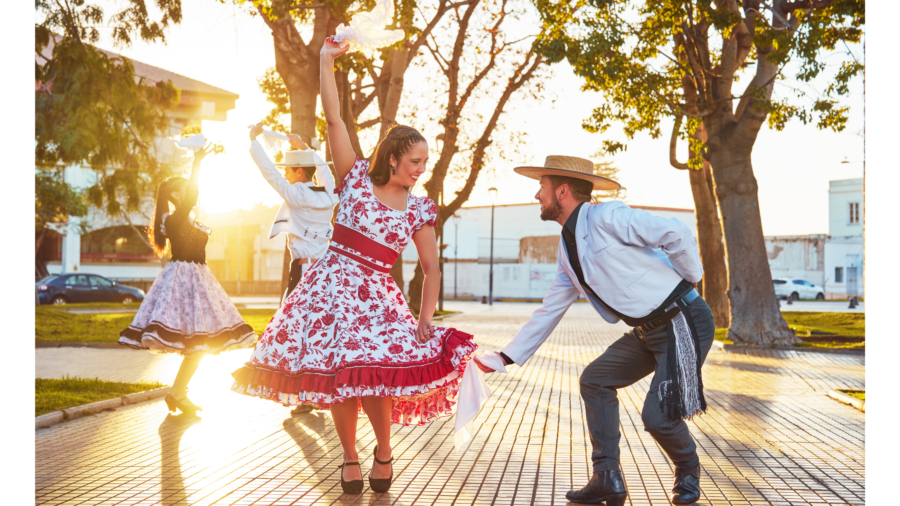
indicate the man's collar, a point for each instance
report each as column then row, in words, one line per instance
column 572, row 221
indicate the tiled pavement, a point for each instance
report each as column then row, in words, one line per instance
column 771, row 436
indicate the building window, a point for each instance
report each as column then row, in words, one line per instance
column 838, row 274
column 854, row 212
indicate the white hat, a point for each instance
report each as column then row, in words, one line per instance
column 569, row 166
column 302, row 158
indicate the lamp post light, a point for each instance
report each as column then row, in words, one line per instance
column 456, row 220
column 493, row 192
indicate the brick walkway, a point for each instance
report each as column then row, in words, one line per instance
column 771, row 436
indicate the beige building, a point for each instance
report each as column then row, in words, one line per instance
column 118, row 247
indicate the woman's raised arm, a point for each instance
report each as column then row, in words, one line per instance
column 338, row 138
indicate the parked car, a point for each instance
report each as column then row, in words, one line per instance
column 65, row 288
column 797, row 289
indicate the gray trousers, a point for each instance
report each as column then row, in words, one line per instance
column 628, row 360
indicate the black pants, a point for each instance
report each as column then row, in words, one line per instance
column 628, row 360
column 294, row 277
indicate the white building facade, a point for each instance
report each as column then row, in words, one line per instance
column 833, row 261
column 525, row 251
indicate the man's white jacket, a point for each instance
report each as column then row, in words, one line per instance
column 632, row 260
column 305, row 213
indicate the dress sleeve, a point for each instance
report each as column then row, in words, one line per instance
column 358, row 172
column 427, row 213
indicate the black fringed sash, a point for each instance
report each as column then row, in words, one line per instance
column 681, row 394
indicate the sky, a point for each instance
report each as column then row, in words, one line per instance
column 221, row 44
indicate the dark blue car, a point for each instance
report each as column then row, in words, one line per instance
column 65, row 288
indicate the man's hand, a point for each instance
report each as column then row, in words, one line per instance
column 295, row 141
column 424, row 331
column 485, row 369
column 255, row 130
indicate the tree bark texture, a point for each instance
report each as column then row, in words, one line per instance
column 712, row 245
column 755, row 311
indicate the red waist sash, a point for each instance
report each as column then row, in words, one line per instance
column 368, row 249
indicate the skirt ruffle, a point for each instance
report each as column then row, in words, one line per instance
column 422, row 392
column 187, row 311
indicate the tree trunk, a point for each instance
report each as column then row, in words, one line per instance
column 40, row 267
column 755, row 311
column 712, row 245
column 397, row 273
column 415, row 290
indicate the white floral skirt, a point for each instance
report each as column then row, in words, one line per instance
column 185, row 311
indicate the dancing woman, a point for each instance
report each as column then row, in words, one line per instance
column 345, row 339
column 186, row 311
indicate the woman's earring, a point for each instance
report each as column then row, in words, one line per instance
column 394, row 170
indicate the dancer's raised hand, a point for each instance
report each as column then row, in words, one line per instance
column 255, row 130
column 200, row 154
column 295, row 141
column 424, row 331
column 331, row 49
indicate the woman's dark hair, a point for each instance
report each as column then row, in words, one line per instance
column 397, row 142
column 163, row 197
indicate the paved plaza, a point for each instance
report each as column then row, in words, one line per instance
column 771, row 436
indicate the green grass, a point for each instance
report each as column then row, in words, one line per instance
column 722, row 335
column 91, row 305
column 842, row 324
column 56, row 394
column 444, row 313
column 53, row 324
column 842, row 331
column 859, row 394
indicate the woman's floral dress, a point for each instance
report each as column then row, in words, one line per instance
column 346, row 330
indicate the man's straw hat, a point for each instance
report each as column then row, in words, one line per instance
column 300, row 158
column 569, row 166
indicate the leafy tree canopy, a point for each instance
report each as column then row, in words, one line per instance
column 672, row 58
column 91, row 109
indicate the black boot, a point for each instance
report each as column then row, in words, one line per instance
column 687, row 486
column 605, row 486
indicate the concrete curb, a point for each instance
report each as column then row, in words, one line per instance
column 58, row 344
column 65, row 415
column 738, row 348
column 848, row 399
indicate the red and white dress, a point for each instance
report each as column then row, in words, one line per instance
column 346, row 330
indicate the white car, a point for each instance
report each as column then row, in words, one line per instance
column 797, row 289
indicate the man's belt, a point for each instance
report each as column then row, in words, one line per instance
column 667, row 316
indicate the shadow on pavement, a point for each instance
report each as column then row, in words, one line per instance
column 171, row 431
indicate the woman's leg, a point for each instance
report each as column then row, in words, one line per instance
column 379, row 411
column 185, row 373
column 345, row 415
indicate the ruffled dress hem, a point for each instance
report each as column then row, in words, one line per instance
column 157, row 337
column 422, row 392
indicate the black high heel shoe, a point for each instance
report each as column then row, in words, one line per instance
column 184, row 404
column 352, row 486
column 381, row 485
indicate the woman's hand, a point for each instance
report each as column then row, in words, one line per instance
column 295, row 141
column 200, row 154
column 424, row 332
column 485, row 369
column 331, row 49
column 255, row 130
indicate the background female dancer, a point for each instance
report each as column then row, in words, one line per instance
column 185, row 311
column 345, row 339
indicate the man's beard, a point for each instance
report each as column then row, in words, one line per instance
column 551, row 212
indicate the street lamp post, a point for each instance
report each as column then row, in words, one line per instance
column 493, row 192
column 456, row 219
column 441, row 258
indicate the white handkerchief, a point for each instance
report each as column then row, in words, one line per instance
column 473, row 394
column 273, row 140
column 366, row 31
column 193, row 143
